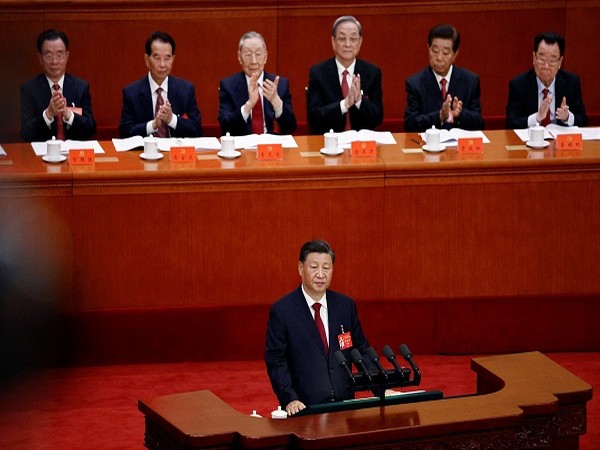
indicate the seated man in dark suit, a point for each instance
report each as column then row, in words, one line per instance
column 302, row 335
column 255, row 101
column 344, row 92
column 160, row 104
column 545, row 94
column 443, row 95
column 55, row 103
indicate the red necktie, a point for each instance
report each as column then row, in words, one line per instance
column 163, row 130
column 444, row 91
column 60, row 125
column 345, row 90
column 546, row 120
column 258, row 126
column 320, row 326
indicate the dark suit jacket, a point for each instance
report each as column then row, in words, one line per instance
column 523, row 98
column 233, row 93
column 297, row 365
column 35, row 98
column 137, row 108
column 424, row 100
column 325, row 93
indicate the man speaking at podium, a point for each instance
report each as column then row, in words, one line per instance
column 305, row 329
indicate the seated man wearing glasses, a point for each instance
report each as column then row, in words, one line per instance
column 545, row 94
column 255, row 101
column 344, row 93
column 55, row 103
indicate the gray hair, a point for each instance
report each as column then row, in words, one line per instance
column 251, row 35
column 343, row 19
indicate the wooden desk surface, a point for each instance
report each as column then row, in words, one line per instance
column 527, row 219
column 523, row 399
column 307, row 163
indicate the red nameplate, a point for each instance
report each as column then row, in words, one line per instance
column 470, row 145
column 266, row 152
column 345, row 340
column 569, row 141
column 183, row 154
column 76, row 110
column 81, row 156
column 363, row 148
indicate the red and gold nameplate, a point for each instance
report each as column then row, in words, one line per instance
column 183, row 154
column 470, row 145
column 569, row 141
column 81, row 156
column 268, row 152
column 361, row 149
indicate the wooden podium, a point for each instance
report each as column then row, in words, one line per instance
column 523, row 400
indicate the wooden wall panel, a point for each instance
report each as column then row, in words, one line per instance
column 238, row 241
column 107, row 39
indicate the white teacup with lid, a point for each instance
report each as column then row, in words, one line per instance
column 53, row 149
column 432, row 138
column 227, row 144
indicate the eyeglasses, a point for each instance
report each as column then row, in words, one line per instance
column 552, row 62
column 49, row 57
column 343, row 39
column 247, row 56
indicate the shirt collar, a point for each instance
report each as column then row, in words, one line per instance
column 154, row 85
column 447, row 77
column 60, row 82
column 260, row 80
column 310, row 301
column 541, row 86
column 341, row 68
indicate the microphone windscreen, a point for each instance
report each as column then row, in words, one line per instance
column 405, row 352
column 340, row 358
column 388, row 352
column 371, row 353
column 356, row 356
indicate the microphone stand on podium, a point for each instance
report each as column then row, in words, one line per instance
column 377, row 381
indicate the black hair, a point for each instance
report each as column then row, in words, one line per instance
column 162, row 37
column 445, row 31
column 316, row 246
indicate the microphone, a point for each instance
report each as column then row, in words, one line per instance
column 371, row 353
column 357, row 358
column 389, row 354
column 339, row 356
column 407, row 355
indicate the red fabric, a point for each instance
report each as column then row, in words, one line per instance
column 60, row 125
column 546, row 120
column 320, row 326
column 345, row 90
column 163, row 130
column 258, row 126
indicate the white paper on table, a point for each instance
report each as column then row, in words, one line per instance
column 122, row 145
column 523, row 134
column 40, row 147
column 345, row 138
column 199, row 143
column 587, row 134
column 2, row 151
column 453, row 135
column 252, row 140
column 165, row 144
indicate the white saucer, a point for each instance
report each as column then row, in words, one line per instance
column 151, row 157
column 228, row 155
column 339, row 151
column 532, row 145
column 439, row 148
column 60, row 158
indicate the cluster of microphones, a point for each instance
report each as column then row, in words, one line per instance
column 379, row 379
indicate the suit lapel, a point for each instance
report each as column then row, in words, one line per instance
column 432, row 88
column 333, row 78
column 145, row 98
column 560, row 89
